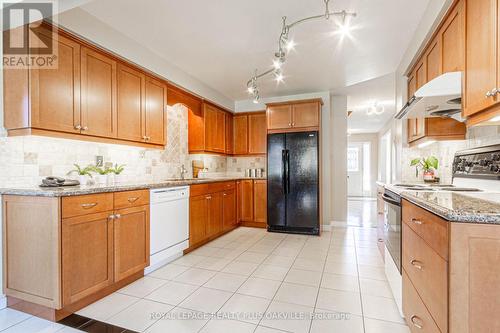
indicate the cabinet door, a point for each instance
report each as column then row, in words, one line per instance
column 196, row 129
column 214, row 225
column 131, row 103
column 481, row 59
column 279, row 117
column 433, row 60
column 98, row 93
column 260, row 201
column 220, row 132
column 453, row 40
column 55, row 93
column 210, row 128
column 198, row 219
column 421, row 74
column 87, row 255
column 240, row 127
column 305, row 115
column 245, row 200
column 257, row 134
column 229, row 134
column 131, row 236
column 156, row 116
column 229, row 209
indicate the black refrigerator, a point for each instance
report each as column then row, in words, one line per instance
column 293, row 183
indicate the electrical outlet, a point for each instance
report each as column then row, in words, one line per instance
column 99, row 161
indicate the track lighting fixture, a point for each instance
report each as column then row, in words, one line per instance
column 286, row 45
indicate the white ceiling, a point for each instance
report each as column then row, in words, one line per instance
column 222, row 42
column 362, row 96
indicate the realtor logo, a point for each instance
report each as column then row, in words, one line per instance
column 26, row 43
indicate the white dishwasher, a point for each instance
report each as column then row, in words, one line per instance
column 169, row 226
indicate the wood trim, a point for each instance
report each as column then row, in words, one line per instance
column 293, row 130
column 301, row 101
column 483, row 116
column 80, row 137
column 437, row 138
column 253, row 224
column 248, row 113
column 57, row 315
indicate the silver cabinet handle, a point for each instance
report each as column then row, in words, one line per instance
column 78, row 127
column 418, row 264
column 133, row 199
column 117, row 216
column 492, row 92
column 89, row 205
column 208, row 197
column 417, row 325
column 84, row 128
column 416, row 221
column 111, row 217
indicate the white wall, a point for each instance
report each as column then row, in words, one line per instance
column 372, row 138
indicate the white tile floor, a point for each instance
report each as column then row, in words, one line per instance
column 253, row 281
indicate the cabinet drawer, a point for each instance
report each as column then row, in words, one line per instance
column 416, row 314
column 86, row 204
column 430, row 227
column 429, row 274
column 131, row 199
column 203, row 189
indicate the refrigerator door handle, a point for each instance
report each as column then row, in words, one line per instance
column 287, row 168
column 283, row 171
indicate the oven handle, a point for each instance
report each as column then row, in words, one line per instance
column 390, row 200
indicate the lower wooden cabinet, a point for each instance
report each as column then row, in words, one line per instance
column 252, row 202
column 212, row 211
column 87, row 255
column 131, row 237
column 81, row 249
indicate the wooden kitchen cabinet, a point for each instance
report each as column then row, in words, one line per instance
column 250, row 135
column 257, row 134
column 131, row 241
column 155, row 115
column 212, row 212
column 91, row 95
column 421, row 74
column 252, row 202
column 294, row 116
column 260, row 201
column 433, row 60
column 452, row 38
column 87, row 255
column 131, row 103
column 412, row 85
column 81, row 249
column 435, row 128
column 98, row 93
column 240, row 132
column 229, row 133
column 55, row 93
column 215, row 129
column 229, row 220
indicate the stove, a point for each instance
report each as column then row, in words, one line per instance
column 474, row 171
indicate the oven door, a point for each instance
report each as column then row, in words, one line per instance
column 392, row 227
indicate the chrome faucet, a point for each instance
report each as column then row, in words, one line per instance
column 183, row 171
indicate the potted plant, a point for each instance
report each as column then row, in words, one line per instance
column 428, row 165
column 84, row 174
column 116, row 173
column 102, row 174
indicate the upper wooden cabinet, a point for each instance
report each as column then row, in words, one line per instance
column 257, row 134
column 99, row 116
column 250, row 134
column 229, row 133
column 482, row 56
column 294, row 116
column 421, row 129
column 215, row 129
column 90, row 95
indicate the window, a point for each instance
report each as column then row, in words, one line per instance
column 352, row 159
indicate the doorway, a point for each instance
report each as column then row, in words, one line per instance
column 355, row 170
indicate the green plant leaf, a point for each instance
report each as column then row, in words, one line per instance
column 415, row 161
column 433, row 162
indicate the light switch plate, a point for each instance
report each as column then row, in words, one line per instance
column 99, row 161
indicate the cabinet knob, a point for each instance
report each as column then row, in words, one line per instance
column 289, row 124
column 414, row 220
column 208, row 197
column 78, row 127
column 84, row 128
column 117, row 216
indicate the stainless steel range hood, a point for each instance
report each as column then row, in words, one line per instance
column 440, row 97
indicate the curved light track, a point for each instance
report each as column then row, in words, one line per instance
column 285, row 44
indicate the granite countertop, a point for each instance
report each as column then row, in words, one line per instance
column 465, row 207
column 92, row 189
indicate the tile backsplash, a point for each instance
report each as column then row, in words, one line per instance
column 24, row 161
column 445, row 152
